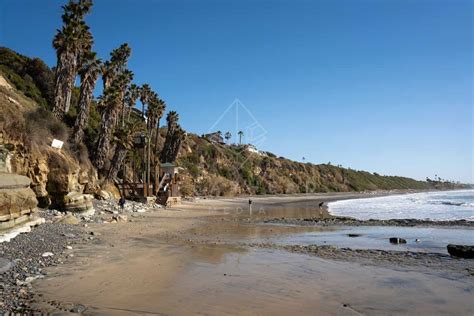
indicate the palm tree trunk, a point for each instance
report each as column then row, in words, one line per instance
column 66, row 72
column 85, row 99
column 103, row 143
column 117, row 161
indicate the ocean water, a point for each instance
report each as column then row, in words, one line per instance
column 419, row 239
column 436, row 206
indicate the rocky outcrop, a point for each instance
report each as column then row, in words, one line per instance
column 461, row 251
column 17, row 201
column 78, row 202
column 57, row 179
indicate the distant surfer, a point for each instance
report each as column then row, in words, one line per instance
column 321, row 209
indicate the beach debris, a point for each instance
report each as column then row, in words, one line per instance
column 397, row 240
column 461, row 251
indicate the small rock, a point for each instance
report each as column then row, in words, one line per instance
column 47, row 254
column 78, row 309
column 354, row 235
column 120, row 218
column 69, row 247
column 68, row 219
column 5, row 265
column 396, row 240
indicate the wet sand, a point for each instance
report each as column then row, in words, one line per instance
column 197, row 259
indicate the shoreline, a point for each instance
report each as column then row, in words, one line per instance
column 178, row 238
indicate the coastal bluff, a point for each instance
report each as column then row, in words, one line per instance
column 31, row 167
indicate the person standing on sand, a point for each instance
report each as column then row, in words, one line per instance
column 121, row 202
column 321, row 209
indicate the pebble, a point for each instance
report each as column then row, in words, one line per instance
column 22, row 261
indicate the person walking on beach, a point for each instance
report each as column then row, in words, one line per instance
column 121, row 202
column 321, row 209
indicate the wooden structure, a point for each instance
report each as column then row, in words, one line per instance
column 168, row 189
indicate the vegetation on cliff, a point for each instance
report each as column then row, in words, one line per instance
column 212, row 168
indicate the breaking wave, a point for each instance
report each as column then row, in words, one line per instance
column 437, row 206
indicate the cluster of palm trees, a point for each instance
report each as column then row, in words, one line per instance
column 228, row 136
column 120, row 124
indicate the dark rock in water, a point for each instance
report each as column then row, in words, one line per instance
column 354, row 235
column 461, row 251
column 396, row 240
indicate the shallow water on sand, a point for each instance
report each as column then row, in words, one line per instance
column 418, row 239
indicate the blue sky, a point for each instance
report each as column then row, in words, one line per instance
column 383, row 86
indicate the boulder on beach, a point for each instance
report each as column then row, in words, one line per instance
column 397, row 240
column 461, row 251
column 79, row 203
column 67, row 219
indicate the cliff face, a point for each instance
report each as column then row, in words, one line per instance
column 212, row 168
column 26, row 132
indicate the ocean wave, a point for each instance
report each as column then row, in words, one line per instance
column 449, row 203
column 452, row 205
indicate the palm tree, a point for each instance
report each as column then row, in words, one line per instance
column 131, row 97
column 123, row 138
column 145, row 95
column 73, row 40
column 155, row 112
column 240, row 137
column 116, row 65
column 89, row 73
column 112, row 101
column 117, row 79
column 228, row 136
column 174, row 136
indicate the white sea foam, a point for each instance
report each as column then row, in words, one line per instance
column 437, row 206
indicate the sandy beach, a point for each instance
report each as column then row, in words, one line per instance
column 210, row 257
